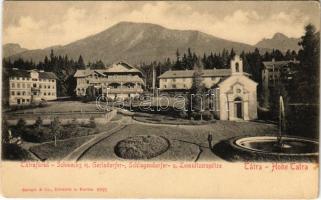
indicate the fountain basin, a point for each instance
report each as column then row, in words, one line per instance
column 267, row 148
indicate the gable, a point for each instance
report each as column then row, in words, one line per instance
column 241, row 80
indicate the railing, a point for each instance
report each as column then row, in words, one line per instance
column 124, row 90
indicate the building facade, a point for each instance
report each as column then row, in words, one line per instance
column 272, row 75
column 119, row 80
column 235, row 94
column 31, row 86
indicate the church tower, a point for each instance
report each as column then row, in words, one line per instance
column 237, row 65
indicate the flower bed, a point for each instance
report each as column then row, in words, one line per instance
column 141, row 147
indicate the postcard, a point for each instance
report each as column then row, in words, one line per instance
column 160, row 99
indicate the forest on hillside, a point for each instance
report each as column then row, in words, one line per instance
column 65, row 67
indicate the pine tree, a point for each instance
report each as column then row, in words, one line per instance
column 307, row 79
column 81, row 63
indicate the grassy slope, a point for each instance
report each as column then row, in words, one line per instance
column 49, row 151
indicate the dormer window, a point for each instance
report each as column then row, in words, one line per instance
column 237, row 67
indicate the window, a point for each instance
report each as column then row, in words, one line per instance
column 35, row 85
column 13, row 85
column 45, row 86
column 34, row 79
column 185, row 86
column 164, row 86
column 28, row 85
column 28, row 100
column 40, row 85
column 23, row 78
column 18, row 93
column 23, row 100
column 173, row 86
column 12, row 93
column 53, row 80
column 48, row 93
column 23, row 85
column 53, row 94
column 87, row 81
column 24, row 93
column 174, row 80
column 18, row 85
column 44, row 94
column 48, row 86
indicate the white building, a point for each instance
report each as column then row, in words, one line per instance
column 235, row 92
column 31, row 86
column 119, row 80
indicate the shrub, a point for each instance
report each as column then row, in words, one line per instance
column 38, row 122
column 183, row 114
column 21, row 123
column 92, row 123
column 207, row 115
column 196, row 115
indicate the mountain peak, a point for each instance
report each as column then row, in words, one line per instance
column 138, row 42
column 277, row 36
column 279, row 41
column 10, row 49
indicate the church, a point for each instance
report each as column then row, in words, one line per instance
column 235, row 93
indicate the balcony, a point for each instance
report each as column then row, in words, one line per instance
column 123, row 90
column 35, row 89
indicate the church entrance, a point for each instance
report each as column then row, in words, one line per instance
column 238, row 108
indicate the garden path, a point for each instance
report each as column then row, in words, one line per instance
column 79, row 151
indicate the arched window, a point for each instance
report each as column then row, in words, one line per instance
column 237, row 67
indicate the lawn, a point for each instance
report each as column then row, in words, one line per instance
column 62, row 106
column 186, row 142
column 49, row 151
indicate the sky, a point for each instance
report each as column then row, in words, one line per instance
column 38, row 24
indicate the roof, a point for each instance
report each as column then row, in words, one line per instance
column 278, row 64
column 26, row 73
column 190, row 73
column 119, row 67
column 47, row 75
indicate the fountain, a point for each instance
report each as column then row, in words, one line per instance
column 269, row 148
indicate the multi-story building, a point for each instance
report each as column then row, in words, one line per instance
column 272, row 75
column 175, row 80
column 235, row 93
column 31, row 86
column 120, row 80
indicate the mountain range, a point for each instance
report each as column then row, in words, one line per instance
column 279, row 41
column 144, row 42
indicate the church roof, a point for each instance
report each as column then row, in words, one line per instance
column 190, row 73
